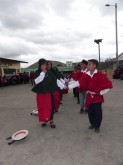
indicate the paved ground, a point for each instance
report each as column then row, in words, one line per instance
column 71, row 143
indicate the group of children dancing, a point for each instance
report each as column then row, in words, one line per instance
column 89, row 84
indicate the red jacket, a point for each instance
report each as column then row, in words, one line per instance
column 78, row 76
column 74, row 75
column 94, row 85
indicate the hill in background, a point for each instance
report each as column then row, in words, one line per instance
column 55, row 64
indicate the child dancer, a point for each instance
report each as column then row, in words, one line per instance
column 46, row 85
column 82, row 94
column 96, row 84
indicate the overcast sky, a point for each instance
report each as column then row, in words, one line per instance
column 62, row 30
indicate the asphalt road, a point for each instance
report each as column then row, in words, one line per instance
column 71, row 143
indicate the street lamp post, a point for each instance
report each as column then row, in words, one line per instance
column 97, row 41
column 116, row 31
column 69, row 67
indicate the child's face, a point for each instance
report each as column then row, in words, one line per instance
column 83, row 66
column 91, row 66
column 43, row 66
column 49, row 65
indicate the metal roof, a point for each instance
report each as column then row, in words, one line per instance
column 12, row 60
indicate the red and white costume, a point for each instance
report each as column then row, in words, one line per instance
column 95, row 84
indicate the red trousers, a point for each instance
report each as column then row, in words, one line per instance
column 44, row 106
column 56, row 100
column 64, row 91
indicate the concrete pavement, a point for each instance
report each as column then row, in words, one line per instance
column 71, row 143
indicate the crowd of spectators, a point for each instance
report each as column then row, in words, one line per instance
column 118, row 73
column 22, row 78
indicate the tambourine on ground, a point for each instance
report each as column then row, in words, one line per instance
column 34, row 112
column 17, row 136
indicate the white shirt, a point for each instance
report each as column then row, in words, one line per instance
column 91, row 75
column 84, row 71
column 76, row 83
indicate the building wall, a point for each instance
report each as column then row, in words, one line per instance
column 6, row 64
column 120, row 57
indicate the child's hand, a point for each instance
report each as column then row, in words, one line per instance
column 66, row 88
column 44, row 70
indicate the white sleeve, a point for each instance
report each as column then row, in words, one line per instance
column 66, row 80
column 71, row 82
column 102, row 92
column 40, row 78
column 71, row 79
column 62, row 80
column 60, row 84
column 74, row 85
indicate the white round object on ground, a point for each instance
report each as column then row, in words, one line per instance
column 35, row 112
column 20, row 134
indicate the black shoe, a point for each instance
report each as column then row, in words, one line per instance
column 81, row 111
column 56, row 110
column 97, row 130
column 52, row 125
column 43, row 124
column 85, row 112
column 91, row 127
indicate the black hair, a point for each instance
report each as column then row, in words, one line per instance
column 75, row 67
column 41, row 62
column 95, row 62
column 84, row 62
column 78, row 65
column 50, row 63
column 55, row 68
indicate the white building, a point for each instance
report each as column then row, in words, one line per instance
column 120, row 59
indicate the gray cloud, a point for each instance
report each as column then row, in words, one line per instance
column 21, row 14
column 106, row 10
column 24, row 23
column 14, row 47
column 65, row 37
column 61, row 7
column 54, row 29
column 59, row 38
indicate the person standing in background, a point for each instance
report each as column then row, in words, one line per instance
column 82, row 94
column 32, row 76
column 57, row 94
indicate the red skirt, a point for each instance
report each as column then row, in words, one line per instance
column 44, row 107
column 64, row 91
column 56, row 100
